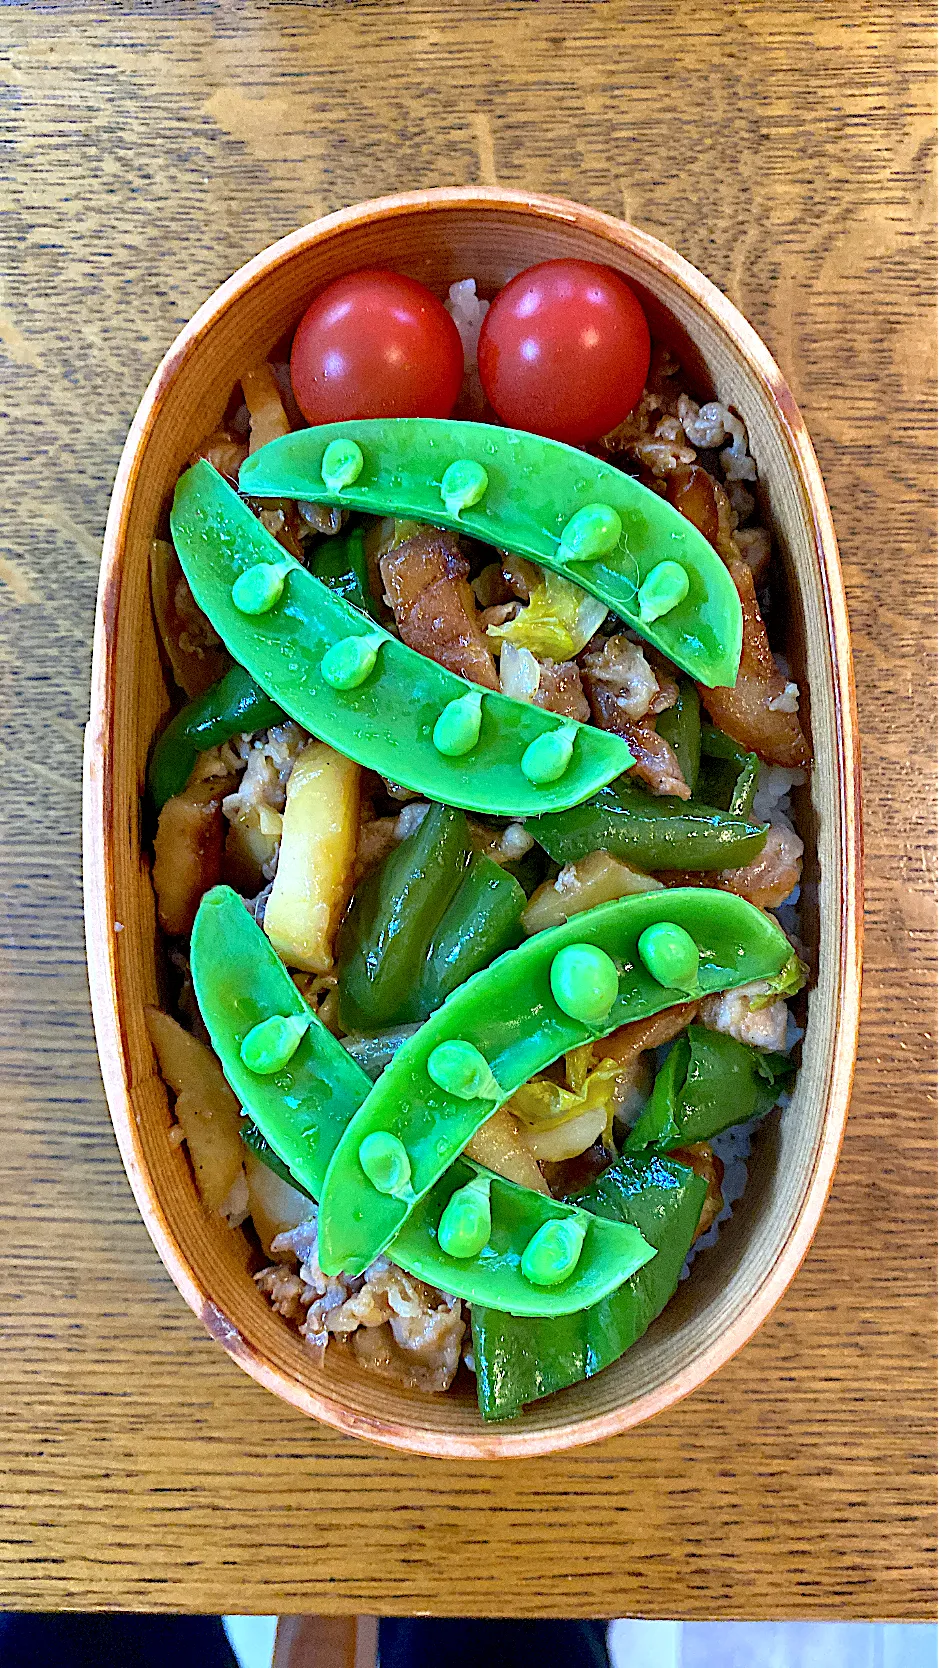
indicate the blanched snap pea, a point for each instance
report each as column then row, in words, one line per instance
column 386, row 718
column 566, row 510
column 509, row 1017
column 298, row 1111
column 649, row 833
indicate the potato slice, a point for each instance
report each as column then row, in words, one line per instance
column 597, row 878
column 206, row 1109
column 275, row 1206
column 317, row 858
column 502, row 1146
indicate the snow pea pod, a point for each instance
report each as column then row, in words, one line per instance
column 504, row 1025
column 298, row 1112
column 650, row 833
column 518, row 1361
column 566, row 510
column 232, row 706
column 384, row 720
column 708, row 1083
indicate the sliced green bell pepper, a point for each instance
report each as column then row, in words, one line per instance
column 534, row 488
column 729, row 775
column 519, row 1361
column 649, row 833
column 421, row 924
column 340, row 563
column 509, row 1018
column 708, row 1083
column 386, row 719
column 680, row 726
column 232, row 706
column 298, row 1112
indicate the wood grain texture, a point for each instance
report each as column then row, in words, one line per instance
column 785, row 150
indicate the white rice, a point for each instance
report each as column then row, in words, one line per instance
column 467, row 312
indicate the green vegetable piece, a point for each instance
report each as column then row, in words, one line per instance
column 233, row 705
column 342, row 464
column 461, row 1070
column 519, row 1360
column 584, row 982
column 341, row 563
column 350, row 661
column 385, row 1162
column 258, row 589
column 552, row 1254
column 649, row 833
column 466, row 1224
column 272, row 1044
column 680, row 726
column 483, row 919
column 294, row 1120
column 661, row 591
column 536, row 490
column 456, row 731
column 594, row 531
column 787, row 982
column 708, row 1083
column 463, row 485
column 387, row 933
column 546, row 758
column 729, row 775
column 387, row 722
column 508, row 1013
column 671, row 956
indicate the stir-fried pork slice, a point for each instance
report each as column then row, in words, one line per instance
column 730, row 1013
column 755, row 712
column 625, row 695
column 187, row 852
column 560, row 690
column 426, row 584
column 769, row 879
column 703, row 1160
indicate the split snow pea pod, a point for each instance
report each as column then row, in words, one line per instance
column 241, row 982
column 387, row 720
column 518, row 1361
column 232, row 706
column 729, row 774
column 708, row 1083
column 508, row 1017
column 680, row 726
column 566, row 510
column 649, row 833
column 296, row 1114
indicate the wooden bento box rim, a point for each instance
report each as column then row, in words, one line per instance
column 99, row 880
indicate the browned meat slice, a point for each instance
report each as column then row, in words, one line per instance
column 426, row 585
column 187, row 852
column 703, row 1160
column 770, row 878
column 625, row 694
column 756, row 711
column 560, row 690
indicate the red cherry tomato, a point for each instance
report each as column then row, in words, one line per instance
column 564, row 351
column 376, row 344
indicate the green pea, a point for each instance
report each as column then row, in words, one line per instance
column 343, row 462
column 554, row 1251
column 463, row 485
column 466, row 1223
column 457, row 729
column 460, row 1069
column 594, row 531
column 349, row 662
column 257, row 589
column 670, row 954
column 584, row 982
column 385, row 1161
column 270, row 1045
column 547, row 757
column 661, row 591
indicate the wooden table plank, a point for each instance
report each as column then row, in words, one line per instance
column 785, row 150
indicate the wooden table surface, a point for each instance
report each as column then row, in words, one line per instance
column 155, row 145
